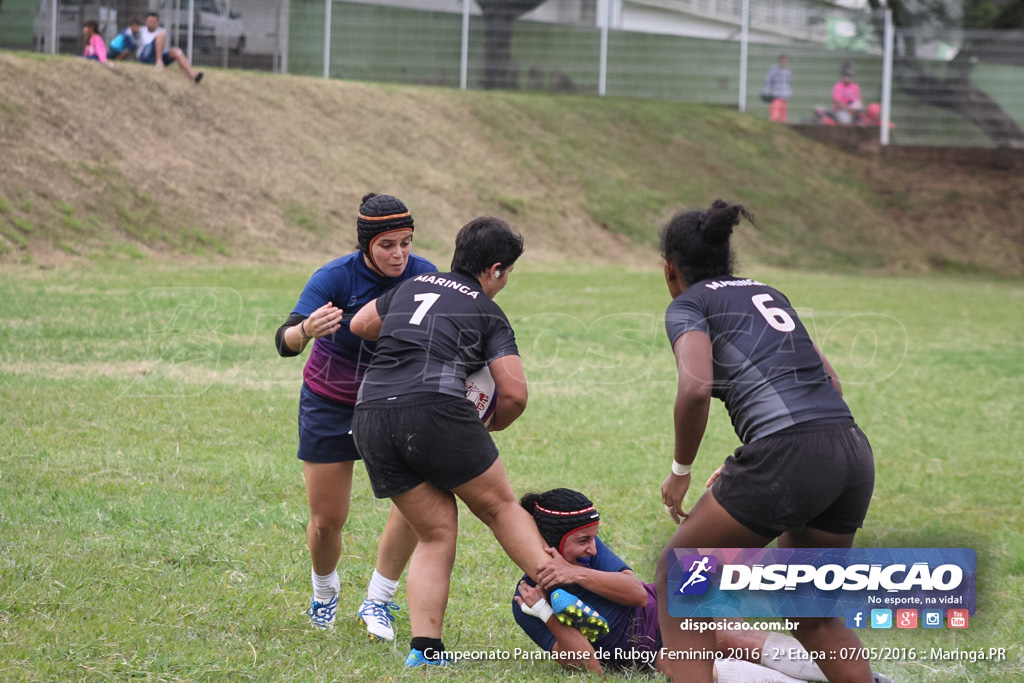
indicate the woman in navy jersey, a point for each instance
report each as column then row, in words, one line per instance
column 423, row 443
column 582, row 562
column 805, row 472
column 331, row 378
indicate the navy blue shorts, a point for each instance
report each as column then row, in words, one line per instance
column 809, row 475
column 148, row 55
column 422, row 437
column 325, row 429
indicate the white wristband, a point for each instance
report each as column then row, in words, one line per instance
column 680, row 470
column 540, row 609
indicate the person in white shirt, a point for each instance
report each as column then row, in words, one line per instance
column 153, row 48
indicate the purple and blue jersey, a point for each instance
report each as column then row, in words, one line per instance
column 337, row 363
column 629, row 628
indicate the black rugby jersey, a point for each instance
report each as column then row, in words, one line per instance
column 766, row 370
column 437, row 329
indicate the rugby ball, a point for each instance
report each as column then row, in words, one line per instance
column 480, row 392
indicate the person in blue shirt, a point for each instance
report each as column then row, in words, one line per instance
column 331, row 379
column 805, row 472
column 777, row 89
column 125, row 43
column 583, row 564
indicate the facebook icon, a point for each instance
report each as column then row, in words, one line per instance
column 855, row 618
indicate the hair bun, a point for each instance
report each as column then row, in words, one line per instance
column 717, row 223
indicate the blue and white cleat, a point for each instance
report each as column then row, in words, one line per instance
column 321, row 614
column 378, row 619
column 572, row 611
column 416, row 658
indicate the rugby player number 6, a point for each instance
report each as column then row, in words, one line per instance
column 776, row 317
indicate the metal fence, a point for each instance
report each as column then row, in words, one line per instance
column 933, row 87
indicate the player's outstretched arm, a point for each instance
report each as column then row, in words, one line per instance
column 367, row 322
column 621, row 587
column 832, row 374
column 693, row 402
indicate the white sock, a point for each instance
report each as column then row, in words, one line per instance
column 740, row 671
column 325, row 587
column 774, row 656
column 381, row 588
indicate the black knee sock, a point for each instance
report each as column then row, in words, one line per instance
column 430, row 647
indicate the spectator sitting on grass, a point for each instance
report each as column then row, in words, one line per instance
column 95, row 47
column 125, row 43
column 846, row 99
column 153, row 40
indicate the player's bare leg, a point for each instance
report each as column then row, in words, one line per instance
column 490, row 497
column 824, row 634
column 433, row 513
column 328, row 490
column 708, row 525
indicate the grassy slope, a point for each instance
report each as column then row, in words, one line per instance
column 128, row 161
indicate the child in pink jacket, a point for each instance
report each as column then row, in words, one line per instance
column 95, row 46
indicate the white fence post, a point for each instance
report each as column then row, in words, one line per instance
column 53, row 27
column 283, row 36
column 328, row 6
column 744, row 40
column 464, row 49
column 191, row 28
column 602, row 67
column 889, row 42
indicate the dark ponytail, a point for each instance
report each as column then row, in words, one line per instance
column 697, row 242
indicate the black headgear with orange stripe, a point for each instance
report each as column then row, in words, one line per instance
column 380, row 214
column 559, row 512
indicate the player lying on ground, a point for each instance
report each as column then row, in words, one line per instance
column 582, row 563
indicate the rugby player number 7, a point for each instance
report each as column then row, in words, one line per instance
column 426, row 301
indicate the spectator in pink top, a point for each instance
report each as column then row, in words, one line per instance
column 846, row 100
column 95, row 46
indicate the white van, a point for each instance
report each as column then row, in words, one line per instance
column 216, row 28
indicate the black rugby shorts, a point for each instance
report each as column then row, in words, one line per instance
column 809, row 475
column 429, row 437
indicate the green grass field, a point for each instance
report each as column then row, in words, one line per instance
column 152, row 510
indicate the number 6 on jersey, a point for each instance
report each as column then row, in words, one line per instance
column 776, row 317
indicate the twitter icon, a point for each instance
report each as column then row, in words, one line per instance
column 881, row 618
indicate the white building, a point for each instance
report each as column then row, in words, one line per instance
column 771, row 21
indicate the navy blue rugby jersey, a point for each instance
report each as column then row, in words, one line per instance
column 766, row 370
column 437, row 329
